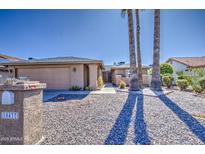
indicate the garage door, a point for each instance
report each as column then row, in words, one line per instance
column 56, row 78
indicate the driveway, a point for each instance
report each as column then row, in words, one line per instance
column 124, row 118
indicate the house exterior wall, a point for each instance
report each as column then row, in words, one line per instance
column 77, row 77
column 178, row 67
column 56, row 76
column 61, row 76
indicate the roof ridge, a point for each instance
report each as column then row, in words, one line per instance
column 64, row 57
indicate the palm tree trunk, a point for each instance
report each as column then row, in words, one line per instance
column 138, row 48
column 156, row 83
column 133, row 69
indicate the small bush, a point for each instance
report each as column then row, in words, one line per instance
column 166, row 69
column 202, row 82
column 88, row 88
column 100, row 82
column 179, row 73
column 182, row 84
column 197, row 88
column 122, row 85
column 167, row 81
column 75, row 88
column 188, row 78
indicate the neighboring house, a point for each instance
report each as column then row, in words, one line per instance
column 182, row 64
column 59, row 72
column 120, row 71
column 5, row 72
column 107, row 75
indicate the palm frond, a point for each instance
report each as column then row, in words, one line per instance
column 123, row 12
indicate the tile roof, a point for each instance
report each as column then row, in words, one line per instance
column 190, row 61
column 55, row 60
column 9, row 58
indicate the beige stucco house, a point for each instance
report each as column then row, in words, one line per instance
column 120, row 71
column 59, row 72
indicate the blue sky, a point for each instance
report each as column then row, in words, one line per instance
column 98, row 34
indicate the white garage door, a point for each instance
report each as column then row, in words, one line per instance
column 56, row 78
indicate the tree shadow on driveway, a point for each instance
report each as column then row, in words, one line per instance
column 141, row 135
column 195, row 126
column 118, row 133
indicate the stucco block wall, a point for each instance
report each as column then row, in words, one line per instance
column 120, row 74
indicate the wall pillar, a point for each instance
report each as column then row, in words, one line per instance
column 93, row 75
column 21, row 113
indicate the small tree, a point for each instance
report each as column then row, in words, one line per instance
column 166, row 69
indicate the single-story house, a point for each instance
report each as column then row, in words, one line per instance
column 120, row 71
column 183, row 64
column 59, row 72
column 4, row 72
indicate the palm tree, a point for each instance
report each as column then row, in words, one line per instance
column 133, row 69
column 156, row 83
column 137, row 11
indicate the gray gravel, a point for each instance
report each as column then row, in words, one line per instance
column 122, row 119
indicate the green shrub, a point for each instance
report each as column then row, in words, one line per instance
column 166, row 69
column 88, row 88
column 181, row 77
column 202, row 82
column 189, row 79
column 122, row 85
column 100, row 82
column 167, row 81
column 186, row 77
column 197, row 88
column 182, row 84
column 75, row 88
column 179, row 73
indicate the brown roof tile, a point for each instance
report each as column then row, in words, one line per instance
column 190, row 61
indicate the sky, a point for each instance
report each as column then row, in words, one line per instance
column 98, row 34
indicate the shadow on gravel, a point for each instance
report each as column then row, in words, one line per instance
column 141, row 135
column 197, row 128
column 66, row 97
column 118, row 133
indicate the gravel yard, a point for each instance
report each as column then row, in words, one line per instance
column 124, row 118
